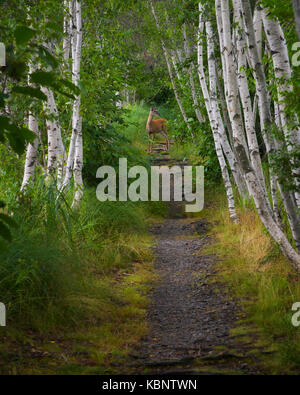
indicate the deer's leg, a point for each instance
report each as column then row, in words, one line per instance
column 149, row 143
column 165, row 134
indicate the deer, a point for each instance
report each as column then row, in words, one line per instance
column 158, row 126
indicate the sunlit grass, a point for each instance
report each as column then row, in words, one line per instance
column 77, row 277
column 257, row 273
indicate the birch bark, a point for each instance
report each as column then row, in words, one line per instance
column 221, row 129
column 216, row 122
column 56, row 150
column 67, row 31
column 187, row 50
column 75, row 148
column 246, row 97
column 296, row 5
column 32, row 149
column 166, row 55
column 252, row 180
column 211, row 109
column 283, row 75
column 77, row 121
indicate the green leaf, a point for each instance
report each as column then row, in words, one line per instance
column 8, row 220
column 45, row 78
column 50, row 79
column 47, row 56
column 18, row 137
column 23, row 34
column 5, row 232
column 70, row 85
column 4, row 123
column 29, row 91
column 69, row 95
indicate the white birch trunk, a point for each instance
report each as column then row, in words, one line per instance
column 187, row 50
column 67, row 30
column 296, row 4
column 237, row 126
column 266, row 120
column 56, row 150
column 174, row 62
column 32, row 149
column 287, row 196
column 78, row 182
column 217, row 122
column 221, row 130
column 257, row 24
column 166, row 55
column 283, row 74
column 245, row 96
column 224, row 63
column 76, row 120
column 31, row 153
column 211, row 111
column 75, row 147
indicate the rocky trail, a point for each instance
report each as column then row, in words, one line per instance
column 191, row 314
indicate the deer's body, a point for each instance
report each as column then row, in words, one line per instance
column 157, row 126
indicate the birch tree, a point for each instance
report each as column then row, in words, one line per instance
column 75, row 153
column 76, row 119
column 283, row 74
column 212, row 108
column 263, row 208
column 266, row 118
column 296, row 5
column 187, row 49
column 32, row 148
column 170, row 71
column 67, row 30
column 246, row 97
column 56, row 149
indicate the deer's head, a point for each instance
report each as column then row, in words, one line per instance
column 154, row 112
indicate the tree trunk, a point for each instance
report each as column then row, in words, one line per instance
column 166, row 55
column 296, row 4
column 187, row 50
column 75, row 153
column 32, row 149
column 67, row 30
column 245, row 96
column 283, row 74
column 211, row 111
column 78, row 183
column 237, row 126
column 77, row 121
column 56, row 150
column 217, row 121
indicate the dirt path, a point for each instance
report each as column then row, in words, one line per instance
column 190, row 315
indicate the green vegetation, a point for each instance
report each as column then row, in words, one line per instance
column 79, row 80
column 81, row 276
column 256, row 273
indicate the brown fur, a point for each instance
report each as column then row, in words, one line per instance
column 157, row 126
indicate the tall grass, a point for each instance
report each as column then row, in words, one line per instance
column 57, row 272
column 260, row 276
column 49, row 268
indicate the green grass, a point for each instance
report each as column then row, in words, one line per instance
column 260, row 277
column 75, row 280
